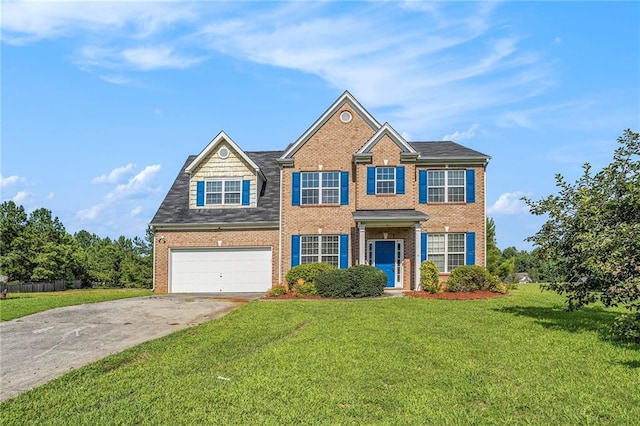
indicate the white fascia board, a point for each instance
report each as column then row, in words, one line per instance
column 222, row 136
column 387, row 130
column 345, row 97
column 214, row 226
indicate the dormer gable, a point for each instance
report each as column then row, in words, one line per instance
column 364, row 155
column 345, row 99
column 224, row 176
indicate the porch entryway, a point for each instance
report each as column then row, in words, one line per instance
column 387, row 256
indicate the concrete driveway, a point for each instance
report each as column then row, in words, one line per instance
column 40, row 347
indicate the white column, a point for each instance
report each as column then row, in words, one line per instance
column 361, row 243
column 418, row 257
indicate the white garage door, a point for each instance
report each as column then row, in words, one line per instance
column 216, row 270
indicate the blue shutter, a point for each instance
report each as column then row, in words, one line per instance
column 371, row 180
column 423, row 246
column 295, row 250
column 295, row 194
column 422, row 187
column 344, row 188
column 400, row 180
column 344, row 251
column 246, row 191
column 471, row 186
column 200, row 193
column 471, row 248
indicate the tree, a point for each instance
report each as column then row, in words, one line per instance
column 591, row 240
column 493, row 252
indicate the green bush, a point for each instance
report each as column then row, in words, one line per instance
column 357, row 281
column 307, row 271
column 277, row 291
column 429, row 277
column 307, row 288
column 471, row 278
column 367, row 281
column 334, row 283
column 626, row 328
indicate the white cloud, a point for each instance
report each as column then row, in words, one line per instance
column 509, row 203
column 458, row 136
column 136, row 211
column 8, row 181
column 157, row 111
column 21, row 197
column 114, row 175
column 139, row 184
column 115, row 79
column 51, row 196
column 151, row 58
column 90, row 213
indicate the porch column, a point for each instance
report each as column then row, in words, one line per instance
column 418, row 257
column 361, row 243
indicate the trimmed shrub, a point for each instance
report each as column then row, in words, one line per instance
column 334, row 283
column 357, row 281
column 367, row 281
column 429, row 277
column 307, row 272
column 305, row 288
column 277, row 291
column 471, row 278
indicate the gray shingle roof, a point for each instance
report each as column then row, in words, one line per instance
column 445, row 149
column 175, row 210
column 403, row 214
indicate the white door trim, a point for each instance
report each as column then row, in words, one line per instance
column 399, row 251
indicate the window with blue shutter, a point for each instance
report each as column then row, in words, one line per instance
column 400, row 180
column 246, row 192
column 471, row 186
column 344, row 188
column 423, row 246
column 371, row 180
column 295, row 192
column 471, row 248
column 295, row 250
column 422, row 187
column 344, row 251
column 200, row 193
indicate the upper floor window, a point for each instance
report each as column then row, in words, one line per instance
column 320, row 188
column 223, row 191
column 385, row 180
column 447, row 186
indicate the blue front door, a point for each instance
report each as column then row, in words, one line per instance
column 386, row 259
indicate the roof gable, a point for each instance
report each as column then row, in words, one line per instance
column 220, row 138
column 346, row 97
column 408, row 152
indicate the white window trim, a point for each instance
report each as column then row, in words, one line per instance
column 223, row 192
column 386, row 180
column 320, row 189
column 399, row 258
column 446, row 248
column 446, row 186
column 320, row 253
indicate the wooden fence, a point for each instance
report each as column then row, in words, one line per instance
column 35, row 287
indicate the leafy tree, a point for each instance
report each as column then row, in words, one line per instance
column 493, row 252
column 591, row 240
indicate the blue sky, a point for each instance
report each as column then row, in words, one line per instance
column 102, row 102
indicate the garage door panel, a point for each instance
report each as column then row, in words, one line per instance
column 221, row 270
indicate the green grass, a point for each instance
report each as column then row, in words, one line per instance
column 512, row 360
column 17, row 305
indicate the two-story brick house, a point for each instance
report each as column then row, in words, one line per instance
column 349, row 191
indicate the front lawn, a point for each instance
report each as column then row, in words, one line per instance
column 510, row 360
column 17, row 305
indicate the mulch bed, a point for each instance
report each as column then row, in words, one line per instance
column 415, row 294
column 454, row 296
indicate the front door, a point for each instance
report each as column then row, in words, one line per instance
column 385, row 260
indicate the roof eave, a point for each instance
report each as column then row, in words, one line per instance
column 212, row 226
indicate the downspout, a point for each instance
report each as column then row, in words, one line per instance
column 280, row 233
column 153, row 278
column 484, row 202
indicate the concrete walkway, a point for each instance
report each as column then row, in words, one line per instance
column 38, row 348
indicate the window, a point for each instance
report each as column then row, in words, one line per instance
column 447, row 251
column 223, row 191
column 320, row 248
column 446, row 186
column 320, row 188
column 385, row 180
